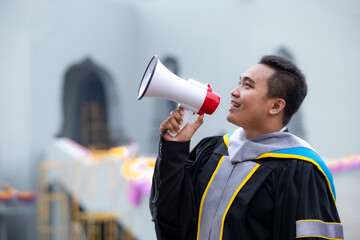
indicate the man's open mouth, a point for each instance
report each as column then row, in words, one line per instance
column 235, row 104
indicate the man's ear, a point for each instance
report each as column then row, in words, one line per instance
column 278, row 106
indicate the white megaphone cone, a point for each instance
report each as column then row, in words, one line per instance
column 193, row 96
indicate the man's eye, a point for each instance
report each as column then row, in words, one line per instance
column 247, row 85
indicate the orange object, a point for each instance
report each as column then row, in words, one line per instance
column 11, row 194
column 7, row 195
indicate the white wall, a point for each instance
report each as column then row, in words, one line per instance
column 16, row 162
column 15, row 68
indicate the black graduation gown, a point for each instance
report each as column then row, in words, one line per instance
column 278, row 194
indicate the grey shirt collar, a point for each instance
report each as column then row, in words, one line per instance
column 243, row 149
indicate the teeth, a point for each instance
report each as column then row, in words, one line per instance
column 235, row 104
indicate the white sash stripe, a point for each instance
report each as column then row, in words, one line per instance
column 228, row 177
column 317, row 228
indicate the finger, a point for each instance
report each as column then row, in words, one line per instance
column 177, row 115
column 174, row 124
column 166, row 125
column 163, row 128
column 198, row 122
column 181, row 110
column 170, row 124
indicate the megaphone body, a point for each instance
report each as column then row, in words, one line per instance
column 193, row 96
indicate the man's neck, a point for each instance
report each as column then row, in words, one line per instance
column 249, row 133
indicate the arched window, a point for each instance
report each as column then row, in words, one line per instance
column 296, row 125
column 90, row 107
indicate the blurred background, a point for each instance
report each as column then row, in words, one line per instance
column 76, row 146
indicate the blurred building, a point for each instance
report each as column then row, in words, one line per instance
column 72, row 69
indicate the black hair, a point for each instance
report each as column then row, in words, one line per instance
column 288, row 83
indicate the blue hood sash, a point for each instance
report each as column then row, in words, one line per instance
column 277, row 145
column 308, row 155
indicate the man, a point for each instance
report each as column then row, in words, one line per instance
column 259, row 182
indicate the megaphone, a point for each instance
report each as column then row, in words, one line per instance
column 192, row 96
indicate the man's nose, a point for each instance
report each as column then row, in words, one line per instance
column 235, row 92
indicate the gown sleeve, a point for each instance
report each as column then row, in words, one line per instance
column 305, row 207
column 172, row 201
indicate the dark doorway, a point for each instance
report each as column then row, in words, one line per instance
column 92, row 131
column 86, row 106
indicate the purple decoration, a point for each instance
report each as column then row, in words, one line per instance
column 137, row 189
column 344, row 164
column 9, row 200
column 355, row 162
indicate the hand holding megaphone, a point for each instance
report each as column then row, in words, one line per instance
column 172, row 126
column 192, row 96
column 172, row 123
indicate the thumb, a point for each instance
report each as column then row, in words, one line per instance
column 189, row 129
column 198, row 122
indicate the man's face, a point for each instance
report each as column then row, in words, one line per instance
column 249, row 102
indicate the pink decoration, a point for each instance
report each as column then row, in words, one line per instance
column 137, row 189
column 344, row 164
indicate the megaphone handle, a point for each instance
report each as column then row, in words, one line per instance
column 186, row 118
